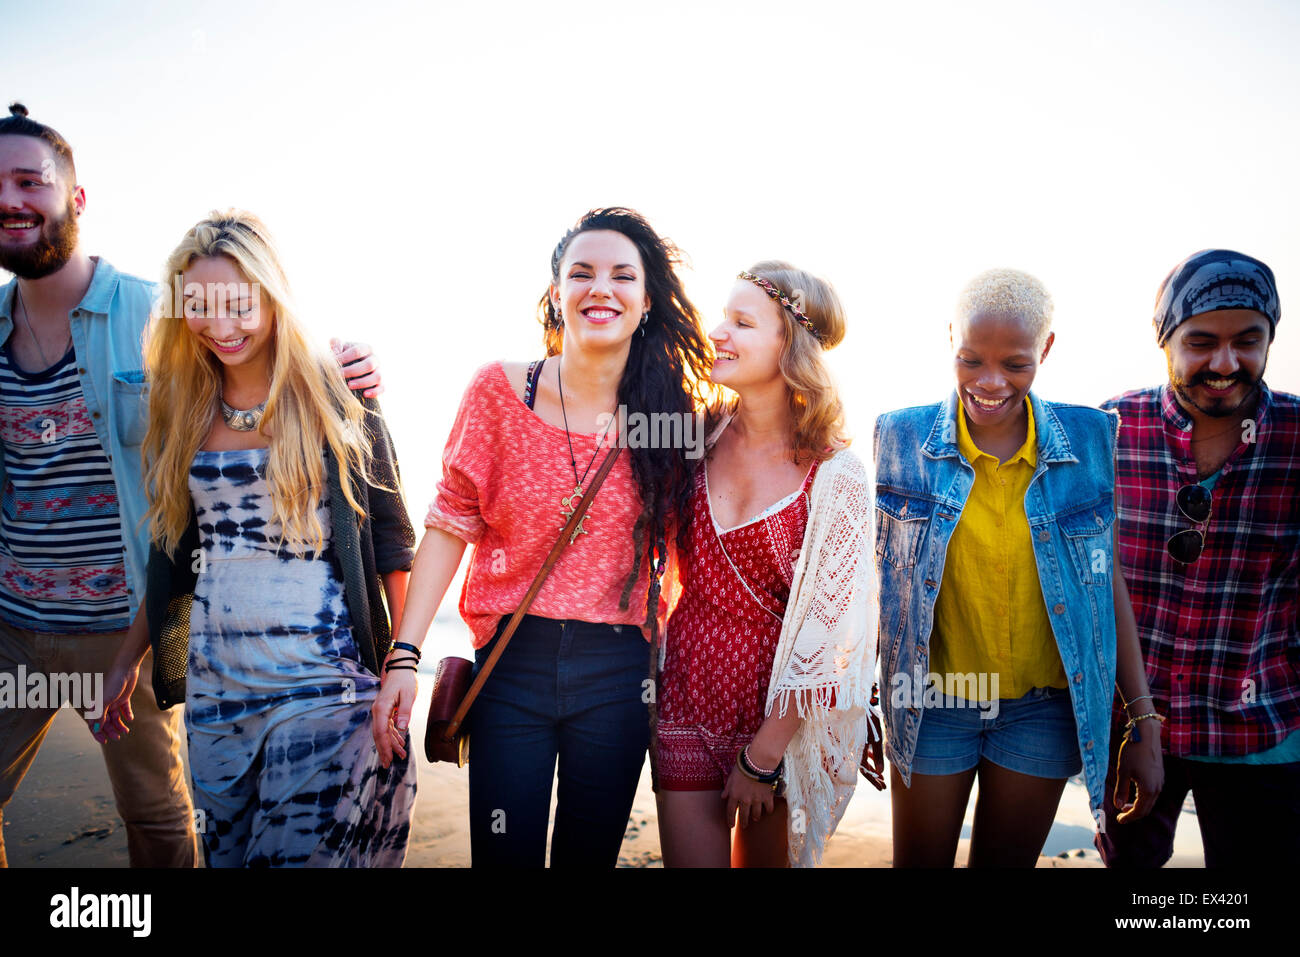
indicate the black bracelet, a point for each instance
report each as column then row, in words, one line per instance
column 392, row 667
column 406, row 664
column 405, row 647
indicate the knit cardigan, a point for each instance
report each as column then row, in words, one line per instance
column 365, row 548
column 826, row 655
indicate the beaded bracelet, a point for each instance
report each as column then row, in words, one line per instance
column 772, row 778
column 1143, row 717
column 749, row 762
column 1131, row 727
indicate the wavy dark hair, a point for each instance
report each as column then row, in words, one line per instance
column 667, row 371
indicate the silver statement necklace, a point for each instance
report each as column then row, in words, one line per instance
column 241, row 420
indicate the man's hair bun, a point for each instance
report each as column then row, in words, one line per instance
column 18, row 123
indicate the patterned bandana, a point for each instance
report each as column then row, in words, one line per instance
column 1214, row 279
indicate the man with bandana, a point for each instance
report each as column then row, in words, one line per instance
column 1208, row 494
column 72, row 545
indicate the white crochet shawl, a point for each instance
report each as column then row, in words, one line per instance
column 827, row 653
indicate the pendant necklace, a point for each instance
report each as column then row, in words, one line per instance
column 18, row 301
column 569, row 503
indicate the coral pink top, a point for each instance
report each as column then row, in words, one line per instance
column 504, row 472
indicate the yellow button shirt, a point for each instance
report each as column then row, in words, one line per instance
column 989, row 617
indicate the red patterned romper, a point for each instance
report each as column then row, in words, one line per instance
column 722, row 638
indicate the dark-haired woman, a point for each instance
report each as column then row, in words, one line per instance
column 621, row 336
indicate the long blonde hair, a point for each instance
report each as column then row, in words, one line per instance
column 818, row 428
column 309, row 401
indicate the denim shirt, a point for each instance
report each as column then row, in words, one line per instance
column 922, row 484
column 107, row 330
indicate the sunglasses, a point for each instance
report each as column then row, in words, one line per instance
column 1194, row 502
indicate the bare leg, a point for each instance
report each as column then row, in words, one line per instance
column 927, row 817
column 692, row 829
column 1013, row 814
column 763, row 843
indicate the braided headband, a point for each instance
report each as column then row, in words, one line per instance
column 783, row 299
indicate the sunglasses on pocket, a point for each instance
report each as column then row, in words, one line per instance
column 1194, row 502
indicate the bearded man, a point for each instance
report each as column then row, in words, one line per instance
column 1208, row 490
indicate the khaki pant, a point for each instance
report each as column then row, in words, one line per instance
column 144, row 766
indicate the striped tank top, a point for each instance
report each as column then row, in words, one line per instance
column 61, row 552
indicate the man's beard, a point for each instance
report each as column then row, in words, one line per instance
column 49, row 253
column 1217, row 411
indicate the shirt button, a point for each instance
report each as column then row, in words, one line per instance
column 997, row 522
column 1044, row 536
column 1078, row 675
column 94, row 415
column 1001, row 569
column 1002, row 481
column 81, row 372
column 1058, row 608
column 1088, row 746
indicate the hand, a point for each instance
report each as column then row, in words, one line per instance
column 1140, row 765
column 390, row 717
column 119, row 685
column 748, row 797
column 360, row 368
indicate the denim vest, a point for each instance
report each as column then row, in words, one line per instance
column 922, row 483
column 107, row 329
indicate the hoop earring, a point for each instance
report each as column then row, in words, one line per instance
column 645, row 318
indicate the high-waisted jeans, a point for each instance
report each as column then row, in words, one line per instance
column 570, row 690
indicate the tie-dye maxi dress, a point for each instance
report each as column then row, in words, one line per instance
column 277, row 708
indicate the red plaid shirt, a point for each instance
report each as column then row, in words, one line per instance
column 1220, row 637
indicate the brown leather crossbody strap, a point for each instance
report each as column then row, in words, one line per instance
column 583, row 503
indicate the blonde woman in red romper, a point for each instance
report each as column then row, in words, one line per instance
column 770, row 651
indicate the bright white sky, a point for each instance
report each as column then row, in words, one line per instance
column 419, row 162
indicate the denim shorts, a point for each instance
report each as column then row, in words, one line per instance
column 1033, row 735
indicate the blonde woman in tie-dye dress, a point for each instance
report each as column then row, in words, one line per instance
column 279, row 536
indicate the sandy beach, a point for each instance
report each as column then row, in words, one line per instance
column 63, row 815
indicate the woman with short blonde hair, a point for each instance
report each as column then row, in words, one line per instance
column 1004, row 620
